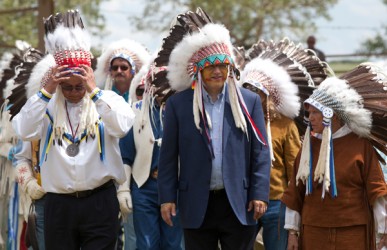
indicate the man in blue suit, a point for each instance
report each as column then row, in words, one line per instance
column 214, row 160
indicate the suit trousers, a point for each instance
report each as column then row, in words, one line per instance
column 87, row 223
column 220, row 225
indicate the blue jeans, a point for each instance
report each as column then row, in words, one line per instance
column 275, row 237
column 39, row 210
column 151, row 230
column 130, row 236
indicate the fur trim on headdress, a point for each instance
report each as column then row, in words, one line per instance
column 39, row 75
column 213, row 39
column 283, row 92
column 135, row 53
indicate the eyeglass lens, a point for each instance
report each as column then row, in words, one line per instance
column 70, row 88
column 122, row 67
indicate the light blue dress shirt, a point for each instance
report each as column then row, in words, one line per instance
column 216, row 112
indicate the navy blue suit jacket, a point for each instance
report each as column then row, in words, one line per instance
column 185, row 161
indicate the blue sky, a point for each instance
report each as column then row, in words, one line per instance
column 352, row 22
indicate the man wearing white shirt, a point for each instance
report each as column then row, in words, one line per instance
column 82, row 178
column 79, row 126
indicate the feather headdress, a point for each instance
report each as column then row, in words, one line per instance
column 274, row 81
column 69, row 43
column 8, row 67
column 6, row 73
column 133, row 52
column 11, row 64
column 32, row 76
column 67, row 40
column 154, row 74
column 370, row 82
column 358, row 98
column 281, row 71
column 206, row 45
column 304, row 72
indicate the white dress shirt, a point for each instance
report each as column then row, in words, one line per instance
column 85, row 171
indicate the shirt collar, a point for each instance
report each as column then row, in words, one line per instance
column 207, row 97
column 125, row 95
column 343, row 131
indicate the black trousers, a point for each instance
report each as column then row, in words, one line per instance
column 89, row 223
column 220, row 225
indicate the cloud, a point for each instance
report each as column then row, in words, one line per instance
column 118, row 25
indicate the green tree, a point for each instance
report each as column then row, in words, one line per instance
column 247, row 20
column 23, row 25
column 375, row 45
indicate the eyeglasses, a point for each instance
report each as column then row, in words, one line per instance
column 220, row 66
column 122, row 67
column 69, row 88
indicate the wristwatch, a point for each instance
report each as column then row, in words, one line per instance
column 293, row 232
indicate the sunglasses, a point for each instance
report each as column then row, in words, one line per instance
column 122, row 67
column 69, row 88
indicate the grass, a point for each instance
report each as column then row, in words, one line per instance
column 340, row 67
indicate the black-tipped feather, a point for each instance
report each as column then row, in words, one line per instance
column 305, row 70
column 186, row 23
column 18, row 96
column 370, row 82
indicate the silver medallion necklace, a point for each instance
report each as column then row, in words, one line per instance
column 72, row 149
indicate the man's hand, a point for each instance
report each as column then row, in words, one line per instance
column 259, row 207
column 292, row 240
column 28, row 182
column 167, row 210
column 123, row 193
column 383, row 241
column 125, row 200
column 86, row 74
column 34, row 190
column 57, row 75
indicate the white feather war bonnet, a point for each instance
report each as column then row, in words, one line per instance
column 68, row 42
column 208, row 45
column 133, row 52
column 285, row 73
column 358, row 98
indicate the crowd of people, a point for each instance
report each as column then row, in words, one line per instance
column 201, row 145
